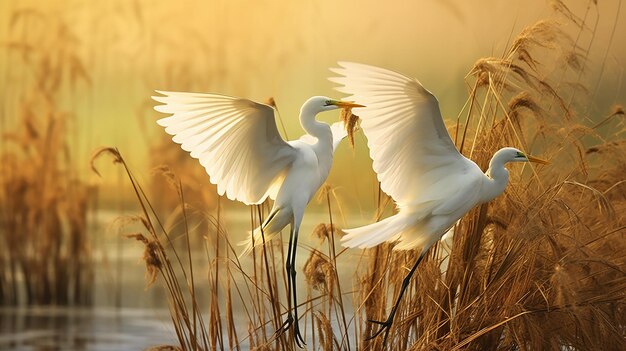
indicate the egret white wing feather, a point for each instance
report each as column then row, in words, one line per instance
column 408, row 140
column 235, row 140
column 459, row 192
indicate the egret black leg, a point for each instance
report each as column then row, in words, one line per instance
column 386, row 325
column 299, row 339
column 288, row 266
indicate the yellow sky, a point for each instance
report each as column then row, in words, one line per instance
column 257, row 49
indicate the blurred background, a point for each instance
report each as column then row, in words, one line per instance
column 115, row 54
column 76, row 75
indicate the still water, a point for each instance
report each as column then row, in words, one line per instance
column 97, row 328
column 126, row 314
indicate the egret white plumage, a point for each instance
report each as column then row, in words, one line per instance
column 417, row 164
column 237, row 142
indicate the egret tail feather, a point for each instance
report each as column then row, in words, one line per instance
column 376, row 233
column 275, row 222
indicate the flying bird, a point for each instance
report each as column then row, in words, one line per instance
column 417, row 164
column 238, row 143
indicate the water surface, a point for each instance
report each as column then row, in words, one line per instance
column 126, row 314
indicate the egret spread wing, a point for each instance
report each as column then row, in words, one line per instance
column 339, row 133
column 407, row 138
column 236, row 140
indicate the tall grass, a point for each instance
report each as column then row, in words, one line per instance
column 45, row 256
column 540, row 267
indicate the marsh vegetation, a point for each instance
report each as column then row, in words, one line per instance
column 540, row 267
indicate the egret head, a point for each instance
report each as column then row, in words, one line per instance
column 323, row 103
column 511, row 154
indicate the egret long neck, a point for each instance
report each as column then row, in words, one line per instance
column 497, row 179
column 317, row 129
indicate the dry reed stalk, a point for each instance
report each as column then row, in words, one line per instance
column 189, row 326
column 270, row 283
column 345, row 340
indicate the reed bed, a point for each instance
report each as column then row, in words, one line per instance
column 258, row 294
column 540, row 267
column 45, row 254
column 258, row 287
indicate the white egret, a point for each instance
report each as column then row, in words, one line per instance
column 417, row 164
column 237, row 142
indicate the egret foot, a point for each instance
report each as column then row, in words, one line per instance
column 299, row 339
column 289, row 323
column 384, row 327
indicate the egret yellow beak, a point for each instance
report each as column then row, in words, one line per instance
column 345, row 104
column 537, row 160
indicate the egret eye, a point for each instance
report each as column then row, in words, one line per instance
column 520, row 154
column 328, row 102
